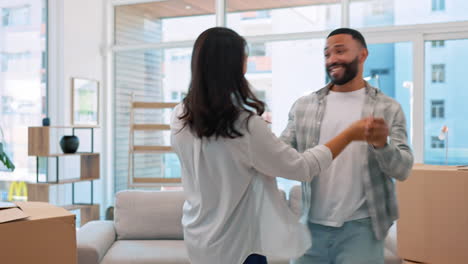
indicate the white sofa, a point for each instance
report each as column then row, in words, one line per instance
column 147, row 229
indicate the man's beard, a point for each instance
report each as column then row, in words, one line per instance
column 350, row 71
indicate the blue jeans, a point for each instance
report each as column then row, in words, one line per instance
column 353, row 243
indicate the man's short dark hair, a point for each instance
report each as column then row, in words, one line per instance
column 352, row 32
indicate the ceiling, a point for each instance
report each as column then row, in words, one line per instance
column 179, row 8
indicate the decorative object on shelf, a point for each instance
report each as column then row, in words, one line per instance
column 85, row 102
column 46, row 121
column 18, row 191
column 7, row 163
column 69, row 144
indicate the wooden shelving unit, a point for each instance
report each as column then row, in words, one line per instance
column 87, row 212
column 144, row 149
column 39, row 146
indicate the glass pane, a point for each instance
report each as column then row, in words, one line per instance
column 23, row 81
column 372, row 13
column 273, row 17
column 445, row 104
column 389, row 67
column 152, row 76
column 161, row 21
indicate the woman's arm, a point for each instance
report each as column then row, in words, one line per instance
column 271, row 156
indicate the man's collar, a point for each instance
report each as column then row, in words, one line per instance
column 370, row 90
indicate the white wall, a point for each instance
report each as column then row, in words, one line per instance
column 82, row 39
column 76, row 38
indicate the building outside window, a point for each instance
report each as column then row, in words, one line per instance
column 379, row 72
column 15, row 62
column 437, row 109
column 437, row 143
column 438, row 43
column 438, row 5
column 256, row 15
column 16, row 16
column 438, row 73
column 257, row 49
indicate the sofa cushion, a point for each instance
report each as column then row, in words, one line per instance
column 148, row 214
column 155, row 251
column 147, row 252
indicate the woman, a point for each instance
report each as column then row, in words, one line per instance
column 233, row 211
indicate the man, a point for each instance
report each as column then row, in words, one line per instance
column 350, row 206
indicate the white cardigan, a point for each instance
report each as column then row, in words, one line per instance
column 232, row 208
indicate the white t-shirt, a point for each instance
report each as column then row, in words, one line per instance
column 338, row 192
column 232, row 208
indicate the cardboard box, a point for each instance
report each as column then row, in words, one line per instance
column 36, row 233
column 433, row 224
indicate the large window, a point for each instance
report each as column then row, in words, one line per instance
column 23, row 79
column 445, row 103
column 153, row 43
column 389, row 68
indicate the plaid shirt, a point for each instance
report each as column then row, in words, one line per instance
column 394, row 161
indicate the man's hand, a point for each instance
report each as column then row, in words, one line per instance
column 357, row 130
column 377, row 132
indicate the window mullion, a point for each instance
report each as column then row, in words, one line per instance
column 345, row 13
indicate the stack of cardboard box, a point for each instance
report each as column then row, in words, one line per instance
column 433, row 224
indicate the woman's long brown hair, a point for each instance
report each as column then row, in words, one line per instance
column 218, row 90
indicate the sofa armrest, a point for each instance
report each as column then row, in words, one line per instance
column 93, row 241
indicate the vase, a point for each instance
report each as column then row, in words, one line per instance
column 69, row 144
column 46, row 121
